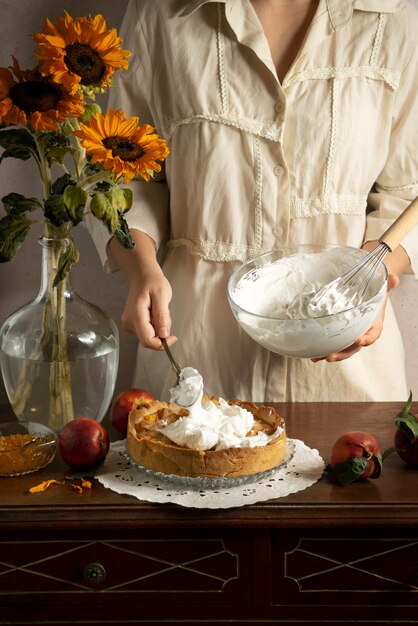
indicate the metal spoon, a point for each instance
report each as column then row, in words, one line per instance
column 176, row 367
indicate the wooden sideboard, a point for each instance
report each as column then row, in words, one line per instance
column 326, row 555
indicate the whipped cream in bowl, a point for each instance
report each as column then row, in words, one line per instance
column 271, row 295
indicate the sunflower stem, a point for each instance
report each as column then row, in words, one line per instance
column 90, row 181
column 53, row 336
column 44, row 167
column 81, row 158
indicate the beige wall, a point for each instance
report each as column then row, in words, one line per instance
column 19, row 279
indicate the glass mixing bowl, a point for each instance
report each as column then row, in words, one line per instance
column 250, row 296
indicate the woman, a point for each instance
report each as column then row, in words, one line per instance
column 289, row 121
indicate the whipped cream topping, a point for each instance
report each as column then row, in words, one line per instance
column 209, row 426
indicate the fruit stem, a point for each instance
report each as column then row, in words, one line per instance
column 388, row 452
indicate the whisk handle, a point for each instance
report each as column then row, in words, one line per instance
column 401, row 226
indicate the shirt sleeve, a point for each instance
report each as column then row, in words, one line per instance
column 397, row 184
column 131, row 91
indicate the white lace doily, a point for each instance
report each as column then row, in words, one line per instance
column 122, row 476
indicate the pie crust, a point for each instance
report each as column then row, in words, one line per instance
column 153, row 450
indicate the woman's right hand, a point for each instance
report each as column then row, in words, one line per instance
column 146, row 313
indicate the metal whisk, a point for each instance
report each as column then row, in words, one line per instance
column 353, row 283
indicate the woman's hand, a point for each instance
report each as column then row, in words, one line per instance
column 396, row 262
column 370, row 336
column 146, row 313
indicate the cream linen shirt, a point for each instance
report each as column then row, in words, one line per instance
column 329, row 155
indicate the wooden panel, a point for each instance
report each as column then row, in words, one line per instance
column 352, row 574
column 187, row 567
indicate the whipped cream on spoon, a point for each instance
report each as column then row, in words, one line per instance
column 189, row 387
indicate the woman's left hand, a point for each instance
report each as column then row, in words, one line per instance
column 369, row 337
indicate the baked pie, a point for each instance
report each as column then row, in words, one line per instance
column 152, row 449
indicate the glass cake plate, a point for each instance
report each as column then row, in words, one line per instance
column 215, row 482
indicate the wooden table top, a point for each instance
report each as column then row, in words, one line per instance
column 390, row 501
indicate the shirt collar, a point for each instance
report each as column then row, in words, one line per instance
column 196, row 4
column 340, row 12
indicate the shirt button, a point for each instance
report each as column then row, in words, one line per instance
column 278, row 170
column 277, row 231
column 278, row 107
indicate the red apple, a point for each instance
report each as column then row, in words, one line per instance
column 406, row 436
column 126, row 402
column 356, row 456
column 83, row 442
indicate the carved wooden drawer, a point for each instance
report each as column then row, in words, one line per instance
column 159, row 570
column 359, row 573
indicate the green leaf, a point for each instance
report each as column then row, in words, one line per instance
column 17, row 152
column 67, row 259
column 56, row 146
column 348, row 471
column 55, row 210
column 58, row 154
column 17, row 143
column 61, row 183
column 408, row 424
column 67, row 128
column 75, row 199
column 15, row 204
column 16, row 137
column 90, row 110
column 123, row 235
column 407, row 408
column 129, row 198
column 102, row 208
column 13, row 230
column 378, row 461
column 119, row 199
column 91, row 168
column 103, row 186
column 406, row 421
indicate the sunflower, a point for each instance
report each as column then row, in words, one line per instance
column 80, row 51
column 26, row 97
column 120, row 145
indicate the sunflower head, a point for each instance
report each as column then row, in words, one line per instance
column 26, row 97
column 80, row 53
column 118, row 144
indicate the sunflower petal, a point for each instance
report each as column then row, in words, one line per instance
column 55, row 39
column 43, row 486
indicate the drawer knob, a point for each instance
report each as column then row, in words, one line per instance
column 94, row 573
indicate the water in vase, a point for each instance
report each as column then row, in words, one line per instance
column 92, row 382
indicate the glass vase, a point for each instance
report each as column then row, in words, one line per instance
column 59, row 354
